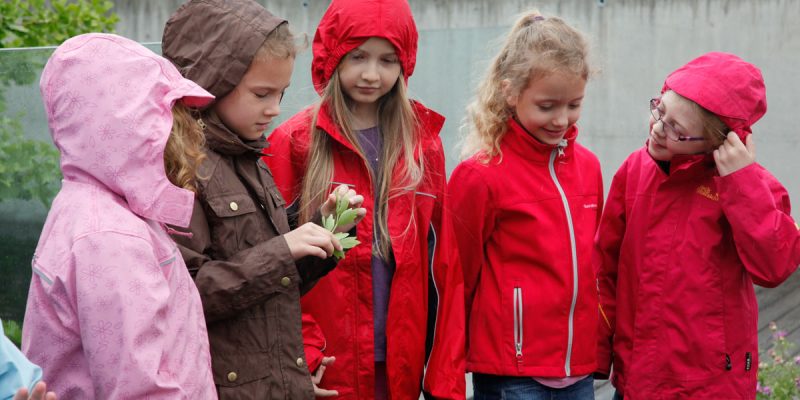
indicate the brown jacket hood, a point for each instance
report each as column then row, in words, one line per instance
column 198, row 37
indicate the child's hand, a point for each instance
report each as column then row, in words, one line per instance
column 733, row 155
column 316, row 378
column 354, row 201
column 39, row 393
column 311, row 239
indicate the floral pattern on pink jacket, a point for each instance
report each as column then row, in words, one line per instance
column 112, row 311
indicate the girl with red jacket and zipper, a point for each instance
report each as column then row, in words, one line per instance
column 377, row 312
column 690, row 224
column 527, row 202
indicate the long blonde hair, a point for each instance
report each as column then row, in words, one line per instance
column 398, row 125
column 185, row 148
column 535, row 47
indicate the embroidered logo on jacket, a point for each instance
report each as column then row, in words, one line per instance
column 593, row 205
column 706, row 192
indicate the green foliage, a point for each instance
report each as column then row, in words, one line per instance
column 13, row 331
column 29, row 170
column 344, row 215
column 779, row 376
column 32, row 23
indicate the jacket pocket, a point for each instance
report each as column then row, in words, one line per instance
column 234, row 218
column 237, row 369
column 424, row 203
column 518, row 323
column 232, row 205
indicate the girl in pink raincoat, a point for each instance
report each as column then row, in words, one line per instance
column 112, row 311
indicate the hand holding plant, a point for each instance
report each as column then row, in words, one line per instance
column 340, row 213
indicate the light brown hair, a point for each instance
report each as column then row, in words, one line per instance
column 714, row 130
column 281, row 43
column 185, row 148
column 397, row 123
column 535, row 47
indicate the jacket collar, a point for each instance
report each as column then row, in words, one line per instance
column 684, row 166
column 519, row 141
column 222, row 140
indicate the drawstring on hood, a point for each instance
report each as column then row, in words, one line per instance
column 724, row 84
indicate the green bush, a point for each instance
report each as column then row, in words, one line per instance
column 32, row 23
column 13, row 331
column 30, row 167
column 779, row 375
column 29, row 170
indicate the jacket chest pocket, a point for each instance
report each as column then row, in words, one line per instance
column 424, row 203
column 234, row 220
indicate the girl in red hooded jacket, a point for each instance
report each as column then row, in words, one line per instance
column 527, row 202
column 691, row 222
column 377, row 312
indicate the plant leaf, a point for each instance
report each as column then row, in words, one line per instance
column 341, row 204
column 329, row 223
column 347, row 217
column 349, row 242
column 338, row 254
column 341, row 235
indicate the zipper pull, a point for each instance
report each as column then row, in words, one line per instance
column 728, row 366
column 561, row 146
column 748, row 361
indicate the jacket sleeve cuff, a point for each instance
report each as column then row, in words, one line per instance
column 313, row 358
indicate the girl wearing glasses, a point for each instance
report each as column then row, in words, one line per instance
column 691, row 222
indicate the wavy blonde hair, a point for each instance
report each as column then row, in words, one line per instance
column 535, row 47
column 185, row 148
column 398, row 124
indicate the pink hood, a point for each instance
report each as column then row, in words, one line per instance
column 724, row 84
column 108, row 102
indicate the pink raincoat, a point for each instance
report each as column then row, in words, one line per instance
column 112, row 311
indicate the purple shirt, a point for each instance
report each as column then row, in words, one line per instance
column 371, row 142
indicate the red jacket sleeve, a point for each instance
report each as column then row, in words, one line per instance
column 606, row 261
column 473, row 221
column 757, row 207
column 444, row 373
column 313, row 342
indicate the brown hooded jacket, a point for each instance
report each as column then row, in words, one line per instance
column 249, row 284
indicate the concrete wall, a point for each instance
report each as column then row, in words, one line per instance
column 636, row 44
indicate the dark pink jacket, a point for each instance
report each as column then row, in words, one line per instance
column 677, row 255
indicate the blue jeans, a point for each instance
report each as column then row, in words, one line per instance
column 493, row 387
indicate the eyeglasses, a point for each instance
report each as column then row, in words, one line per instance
column 669, row 130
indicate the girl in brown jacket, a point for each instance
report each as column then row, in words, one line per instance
column 249, row 267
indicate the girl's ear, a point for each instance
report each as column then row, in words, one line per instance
column 505, row 88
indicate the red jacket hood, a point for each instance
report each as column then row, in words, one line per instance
column 725, row 85
column 348, row 23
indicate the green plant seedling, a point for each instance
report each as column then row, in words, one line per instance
column 344, row 216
